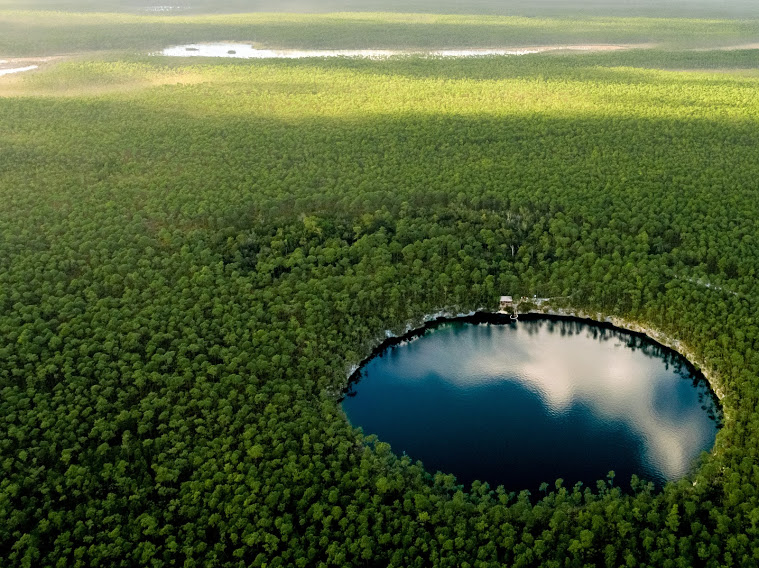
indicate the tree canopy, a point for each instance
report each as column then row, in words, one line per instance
column 193, row 257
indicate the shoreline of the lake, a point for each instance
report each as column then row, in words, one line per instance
column 413, row 330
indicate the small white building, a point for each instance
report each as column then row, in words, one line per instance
column 506, row 302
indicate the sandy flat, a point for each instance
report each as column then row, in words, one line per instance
column 730, row 47
column 12, row 65
column 246, row 51
column 17, row 70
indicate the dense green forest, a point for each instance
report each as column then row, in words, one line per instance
column 195, row 254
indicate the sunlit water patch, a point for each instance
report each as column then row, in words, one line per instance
column 17, row 69
column 163, row 9
column 519, row 404
column 243, row 51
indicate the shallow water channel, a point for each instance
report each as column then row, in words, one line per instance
column 516, row 404
column 244, row 51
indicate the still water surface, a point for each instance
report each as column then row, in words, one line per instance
column 244, row 51
column 522, row 403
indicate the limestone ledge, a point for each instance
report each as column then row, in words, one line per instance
column 668, row 341
column 658, row 336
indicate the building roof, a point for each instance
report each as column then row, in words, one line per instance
column 506, row 299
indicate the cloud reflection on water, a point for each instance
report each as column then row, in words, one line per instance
column 621, row 381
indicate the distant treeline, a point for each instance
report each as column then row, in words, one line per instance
column 629, row 8
column 24, row 32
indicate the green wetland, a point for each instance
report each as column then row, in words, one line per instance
column 195, row 254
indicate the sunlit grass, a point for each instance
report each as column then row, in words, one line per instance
column 552, row 84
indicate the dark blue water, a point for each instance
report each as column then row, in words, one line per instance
column 522, row 403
